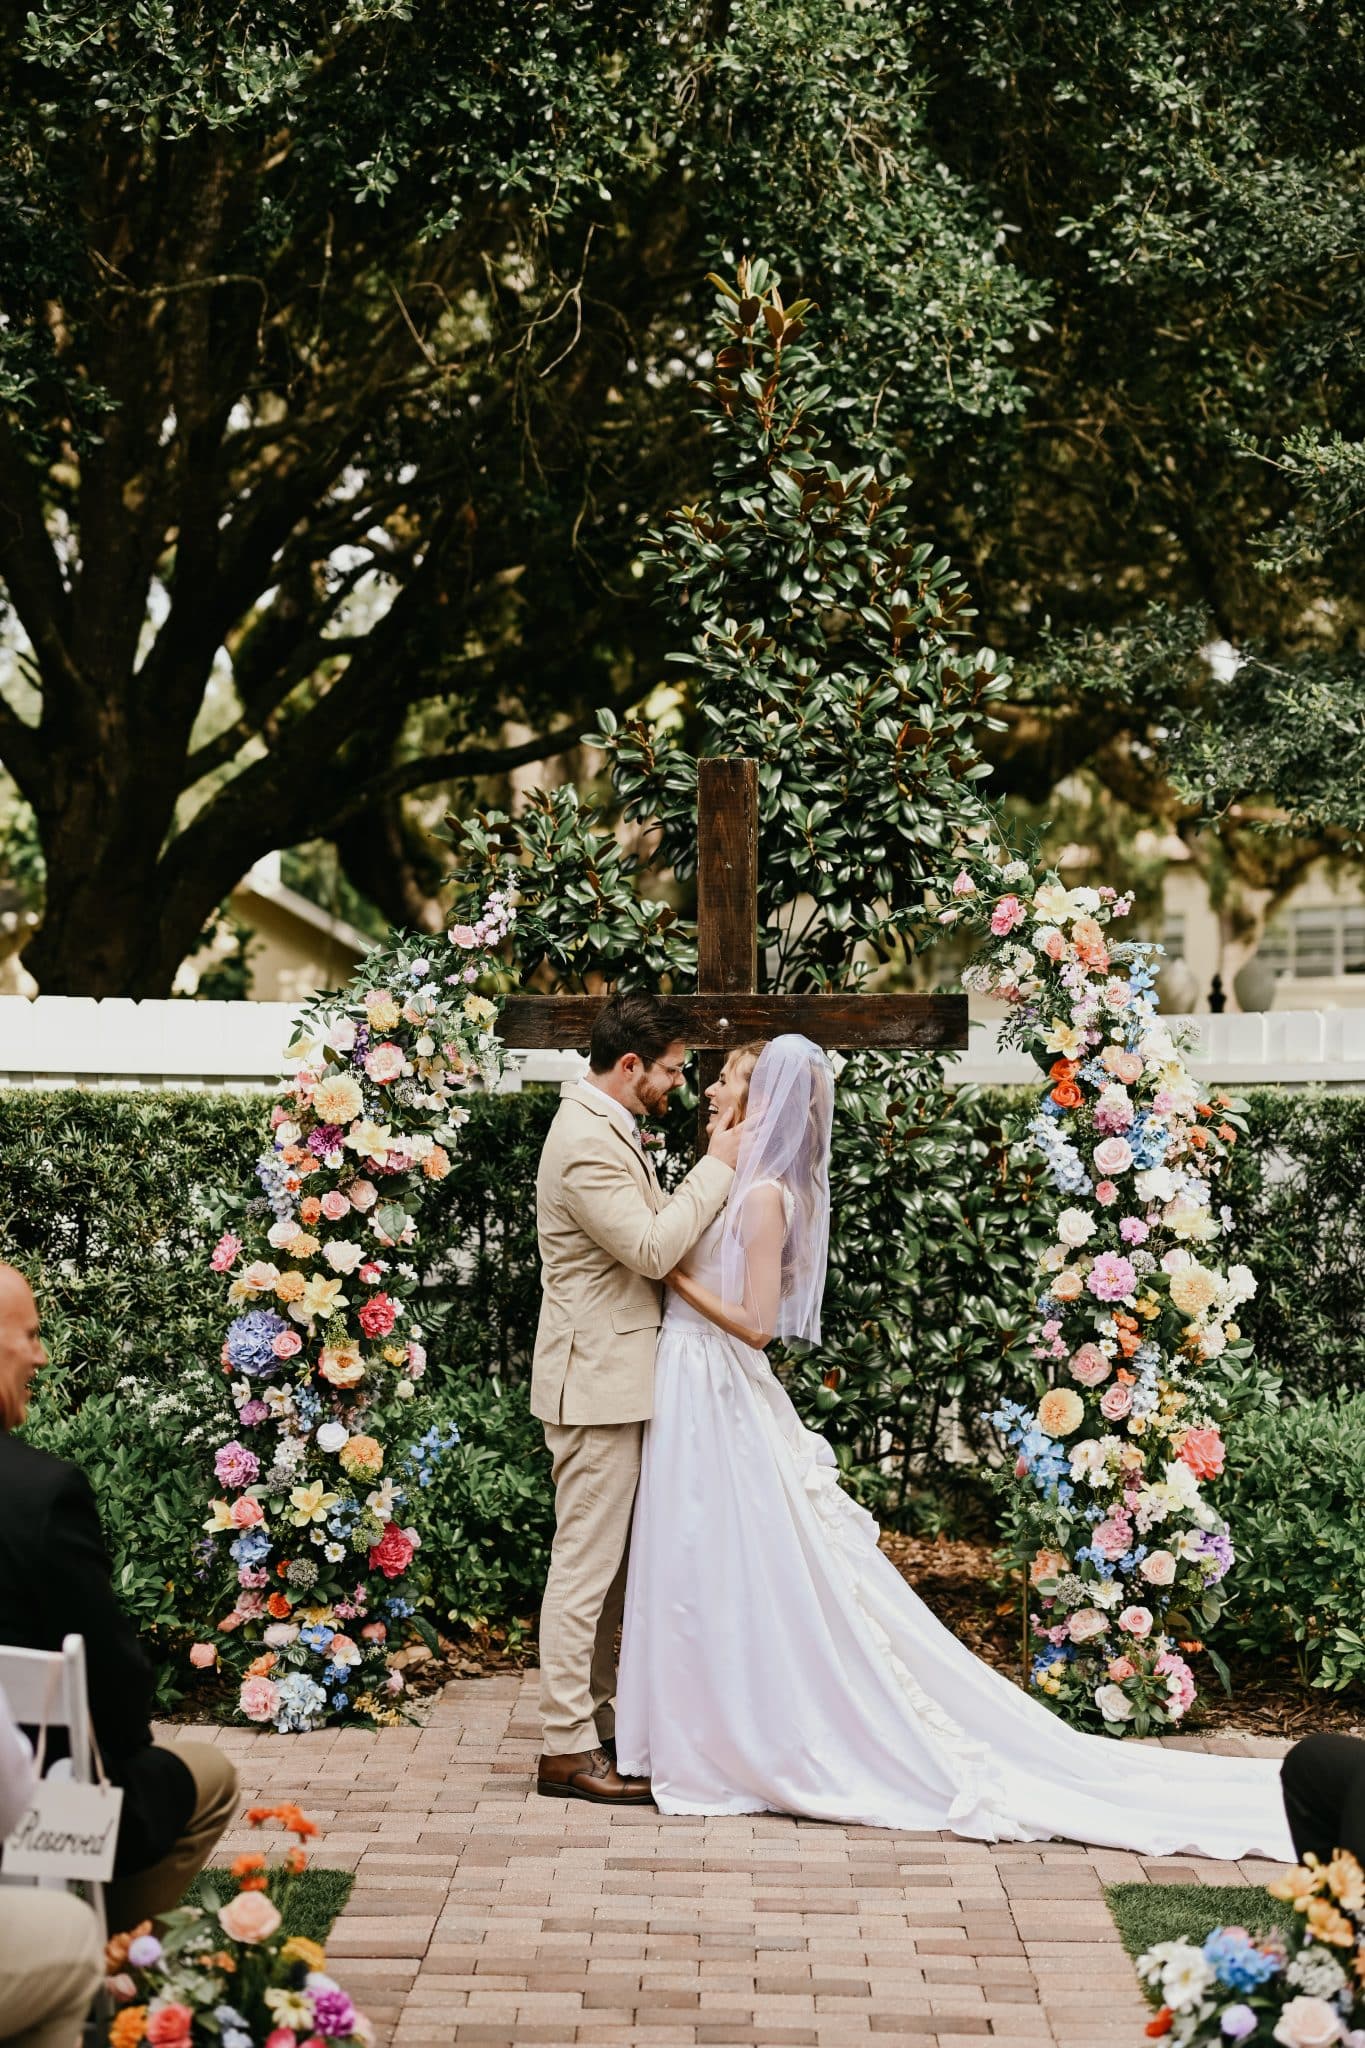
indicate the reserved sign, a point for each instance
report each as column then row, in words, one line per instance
column 68, row 1831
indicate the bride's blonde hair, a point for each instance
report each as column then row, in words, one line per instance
column 749, row 1052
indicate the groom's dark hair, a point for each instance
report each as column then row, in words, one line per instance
column 635, row 1022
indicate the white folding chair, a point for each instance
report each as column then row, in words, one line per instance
column 47, row 1687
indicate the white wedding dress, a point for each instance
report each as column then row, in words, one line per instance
column 773, row 1660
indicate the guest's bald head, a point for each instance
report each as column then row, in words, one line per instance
column 21, row 1345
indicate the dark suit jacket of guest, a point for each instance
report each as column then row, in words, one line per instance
column 55, row 1579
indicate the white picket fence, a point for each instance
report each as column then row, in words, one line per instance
column 73, row 1041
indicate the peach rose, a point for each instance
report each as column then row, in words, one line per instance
column 1158, row 1568
column 1085, row 1624
column 1202, row 1451
column 1060, row 1411
column 1066, row 1285
column 250, row 1917
column 310, row 1208
column 333, row 1206
column 1111, row 1156
column 1089, row 1365
column 169, row 2025
column 1120, row 1668
column 246, row 1513
column 203, row 1656
column 341, row 1366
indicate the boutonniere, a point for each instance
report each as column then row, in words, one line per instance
column 653, row 1141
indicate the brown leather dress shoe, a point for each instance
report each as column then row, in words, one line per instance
column 590, row 1774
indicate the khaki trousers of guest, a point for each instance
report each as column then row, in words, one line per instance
column 149, row 1893
column 596, row 1472
column 51, row 1965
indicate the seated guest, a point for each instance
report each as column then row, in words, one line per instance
column 55, row 1580
column 1323, row 1780
column 50, row 1955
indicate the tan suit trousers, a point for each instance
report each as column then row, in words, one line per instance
column 51, row 1965
column 596, row 1472
column 131, row 1900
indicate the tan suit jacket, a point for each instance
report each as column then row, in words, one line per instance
column 607, row 1237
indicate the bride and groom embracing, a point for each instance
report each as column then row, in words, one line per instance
column 772, row 1659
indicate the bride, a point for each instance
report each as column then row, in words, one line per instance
column 772, row 1659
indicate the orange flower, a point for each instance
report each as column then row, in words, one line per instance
column 1199, row 1139
column 295, row 1860
column 1162, row 2024
column 1129, row 1341
column 244, row 1865
column 1227, row 1134
column 310, row 1210
column 262, row 1666
column 278, row 1606
column 1067, row 1095
column 1063, row 1070
column 129, row 2027
column 260, row 1883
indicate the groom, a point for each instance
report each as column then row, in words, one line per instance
column 607, row 1237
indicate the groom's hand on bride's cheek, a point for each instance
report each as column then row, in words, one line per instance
column 724, row 1139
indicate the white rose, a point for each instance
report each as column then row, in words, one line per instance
column 1113, row 1703
column 1087, row 900
column 1155, row 1184
column 331, row 1436
column 1241, row 1283
column 280, row 1233
column 287, row 1134
column 343, row 1256
column 1212, row 1342
column 1074, row 1227
column 340, row 1035
column 404, row 1390
column 425, row 1046
column 1308, row 2023
column 280, row 1634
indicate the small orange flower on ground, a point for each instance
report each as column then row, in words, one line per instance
column 129, row 2027
column 244, row 1865
column 294, row 1862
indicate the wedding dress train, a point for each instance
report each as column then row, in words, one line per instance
column 773, row 1660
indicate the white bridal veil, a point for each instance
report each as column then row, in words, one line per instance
column 785, row 1139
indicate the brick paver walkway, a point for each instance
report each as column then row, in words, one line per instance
column 483, row 1913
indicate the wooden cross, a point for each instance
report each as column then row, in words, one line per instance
column 727, row 1010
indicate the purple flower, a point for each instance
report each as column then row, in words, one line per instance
column 145, row 1952
column 252, row 1412
column 1112, row 1277
column 324, row 1138
column 251, row 1339
column 1237, row 2022
column 1217, row 1556
column 333, row 2014
column 1133, row 1230
column 236, row 1466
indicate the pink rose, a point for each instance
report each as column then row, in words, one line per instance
column 1133, row 1230
column 463, row 935
column 384, row 1063
column 246, row 1513
column 250, row 1917
column 281, row 2037
column 1136, row 1621
column 363, row 1194
column 335, row 1205
column 168, row 2026
column 377, row 1315
column 225, row 1253
column 370, row 1272
column 1089, row 1365
column 1158, row 1568
column 1121, row 1668
column 1115, row 1403
column 203, row 1656
column 1054, row 945
column 1113, row 1155
column 963, row 885
column 417, row 1361
column 1106, row 1194
column 259, row 1700
column 1008, row 913
column 287, row 1345
column 1085, row 1624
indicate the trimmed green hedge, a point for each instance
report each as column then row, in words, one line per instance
column 111, row 1202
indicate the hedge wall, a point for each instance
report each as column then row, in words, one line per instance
column 110, row 1203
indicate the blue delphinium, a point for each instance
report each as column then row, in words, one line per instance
column 1234, row 1957
column 423, row 1455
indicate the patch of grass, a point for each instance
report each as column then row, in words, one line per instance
column 1148, row 1913
column 315, row 1897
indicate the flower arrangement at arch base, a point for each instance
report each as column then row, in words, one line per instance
column 1125, row 1551
column 325, row 1355
column 1245, row 1990
column 232, row 1974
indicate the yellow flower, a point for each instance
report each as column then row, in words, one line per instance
column 291, row 2009
column 320, row 1297
column 1193, row 1289
column 1326, row 1923
column 221, row 1518
column 337, row 1098
column 1064, row 1038
column 289, row 1287
column 341, row 1365
column 311, row 1504
column 370, row 1139
column 382, row 1013
column 302, row 1245
column 299, row 1949
column 1346, row 1880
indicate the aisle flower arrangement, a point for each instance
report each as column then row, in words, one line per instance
column 1125, row 1552
column 324, row 1353
column 231, row 1974
column 1242, row 1990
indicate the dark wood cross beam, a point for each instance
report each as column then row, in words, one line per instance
column 727, row 1009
